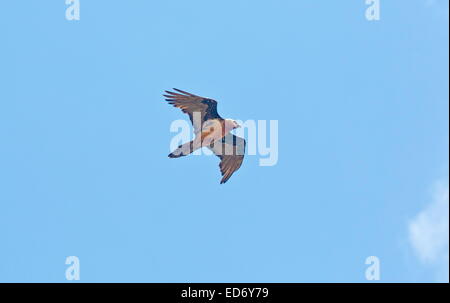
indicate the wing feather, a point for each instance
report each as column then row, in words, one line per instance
column 190, row 103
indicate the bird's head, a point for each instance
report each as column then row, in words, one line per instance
column 231, row 124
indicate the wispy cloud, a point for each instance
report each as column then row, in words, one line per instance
column 429, row 232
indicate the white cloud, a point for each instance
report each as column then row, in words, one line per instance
column 429, row 232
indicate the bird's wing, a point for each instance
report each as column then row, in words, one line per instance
column 190, row 103
column 230, row 149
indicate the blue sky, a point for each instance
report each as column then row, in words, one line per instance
column 363, row 139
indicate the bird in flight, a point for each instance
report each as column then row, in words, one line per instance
column 211, row 131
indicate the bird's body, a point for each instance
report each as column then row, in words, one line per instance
column 211, row 131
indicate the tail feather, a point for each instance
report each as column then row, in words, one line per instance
column 183, row 150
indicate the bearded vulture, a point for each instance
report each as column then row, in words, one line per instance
column 211, row 131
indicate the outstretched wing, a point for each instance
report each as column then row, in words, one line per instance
column 190, row 103
column 231, row 151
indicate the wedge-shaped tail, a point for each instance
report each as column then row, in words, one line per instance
column 183, row 150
